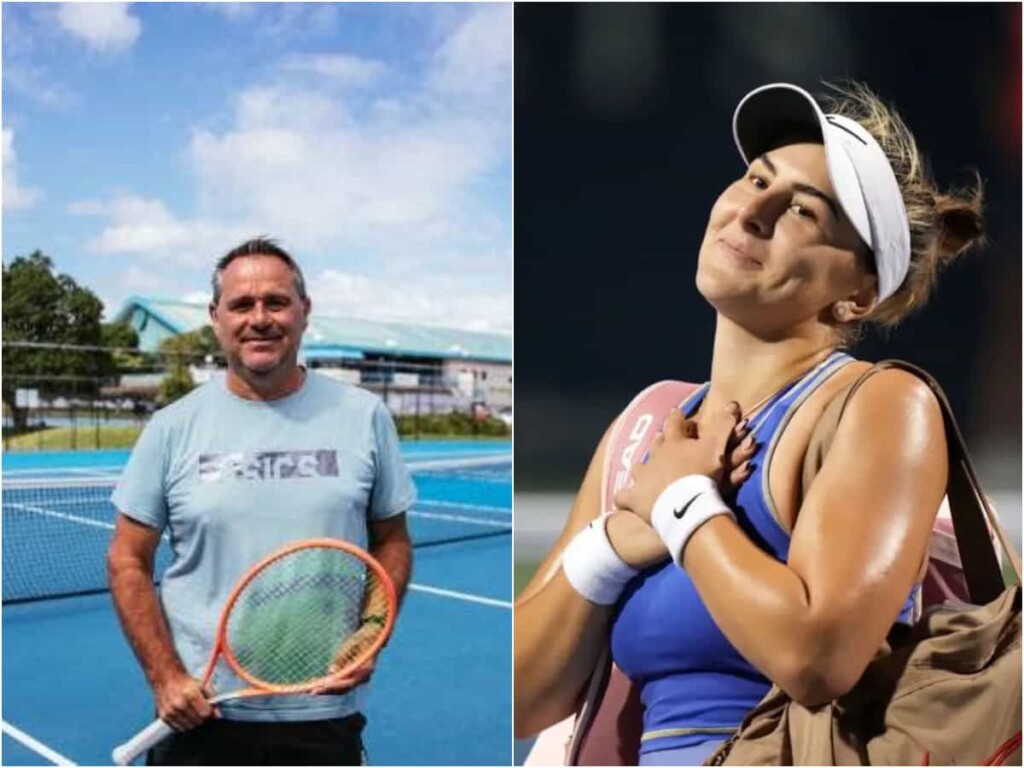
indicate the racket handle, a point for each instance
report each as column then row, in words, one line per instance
column 145, row 739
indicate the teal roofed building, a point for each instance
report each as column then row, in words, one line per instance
column 327, row 337
column 380, row 354
column 158, row 319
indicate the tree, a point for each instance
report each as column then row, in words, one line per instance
column 43, row 307
column 122, row 336
column 177, row 382
column 178, row 351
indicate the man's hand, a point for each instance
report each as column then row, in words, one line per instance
column 347, row 680
column 181, row 702
column 716, row 450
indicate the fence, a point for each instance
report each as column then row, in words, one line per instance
column 67, row 397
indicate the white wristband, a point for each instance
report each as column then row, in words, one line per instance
column 593, row 567
column 682, row 508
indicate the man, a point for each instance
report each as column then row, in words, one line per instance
column 269, row 454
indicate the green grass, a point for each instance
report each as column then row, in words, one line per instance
column 453, row 436
column 522, row 573
column 59, row 439
column 455, row 423
column 1009, row 577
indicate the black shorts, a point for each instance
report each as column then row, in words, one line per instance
column 234, row 742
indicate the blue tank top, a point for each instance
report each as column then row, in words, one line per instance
column 694, row 685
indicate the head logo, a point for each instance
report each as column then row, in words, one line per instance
column 636, row 438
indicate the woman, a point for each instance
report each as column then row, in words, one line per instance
column 834, row 224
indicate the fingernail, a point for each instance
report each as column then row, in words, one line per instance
column 751, row 467
column 743, row 425
column 749, row 442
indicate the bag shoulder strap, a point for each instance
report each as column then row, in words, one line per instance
column 821, row 438
column 969, row 507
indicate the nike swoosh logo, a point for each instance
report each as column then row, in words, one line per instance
column 680, row 512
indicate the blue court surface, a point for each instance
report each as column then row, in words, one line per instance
column 441, row 694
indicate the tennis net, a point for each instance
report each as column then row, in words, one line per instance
column 56, row 532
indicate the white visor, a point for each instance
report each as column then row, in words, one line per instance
column 865, row 184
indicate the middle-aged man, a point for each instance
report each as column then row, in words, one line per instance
column 268, row 454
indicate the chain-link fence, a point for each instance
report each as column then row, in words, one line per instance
column 68, row 397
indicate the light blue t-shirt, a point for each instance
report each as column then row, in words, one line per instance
column 231, row 480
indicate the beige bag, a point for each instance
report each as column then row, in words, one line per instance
column 946, row 691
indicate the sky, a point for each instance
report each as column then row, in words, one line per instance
column 373, row 141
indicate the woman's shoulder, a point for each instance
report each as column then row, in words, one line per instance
column 863, row 403
column 884, row 400
column 881, row 385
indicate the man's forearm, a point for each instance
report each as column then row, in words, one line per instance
column 393, row 550
column 143, row 621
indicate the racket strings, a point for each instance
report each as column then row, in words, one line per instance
column 287, row 623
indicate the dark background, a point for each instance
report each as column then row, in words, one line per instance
column 623, row 141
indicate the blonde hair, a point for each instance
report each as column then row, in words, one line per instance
column 943, row 225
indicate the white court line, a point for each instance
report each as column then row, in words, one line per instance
column 481, row 451
column 74, row 518
column 36, row 746
column 461, row 505
column 458, row 463
column 94, row 472
column 58, row 470
column 460, row 596
column 63, row 516
column 507, row 525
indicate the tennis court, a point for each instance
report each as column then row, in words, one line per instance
column 441, row 694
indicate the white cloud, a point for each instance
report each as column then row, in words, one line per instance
column 15, row 195
column 446, row 302
column 477, row 57
column 138, row 279
column 135, row 280
column 88, row 208
column 26, row 34
column 295, row 111
column 104, row 27
column 146, row 227
column 33, row 84
column 232, row 11
column 197, row 297
column 398, row 187
column 280, row 21
column 339, row 67
column 299, row 161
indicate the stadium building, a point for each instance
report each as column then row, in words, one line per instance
column 416, row 368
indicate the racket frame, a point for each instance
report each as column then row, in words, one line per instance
column 259, row 687
column 158, row 730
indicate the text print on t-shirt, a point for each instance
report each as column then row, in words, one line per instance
column 267, row 465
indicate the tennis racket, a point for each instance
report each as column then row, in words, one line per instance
column 309, row 606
